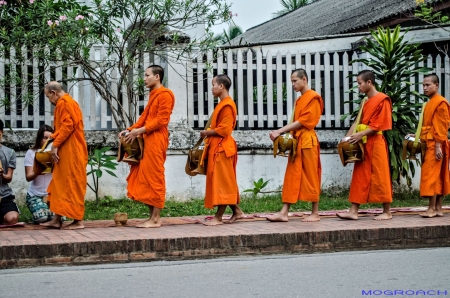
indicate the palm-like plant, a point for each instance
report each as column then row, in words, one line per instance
column 394, row 62
column 226, row 36
column 290, row 5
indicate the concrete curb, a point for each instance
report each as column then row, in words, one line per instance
column 196, row 247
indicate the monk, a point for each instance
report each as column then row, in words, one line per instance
column 69, row 152
column 303, row 175
column 221, row 155
column 371, row 179
column 435, row 176
column 146, row 181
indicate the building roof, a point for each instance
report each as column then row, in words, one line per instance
column 324, row 18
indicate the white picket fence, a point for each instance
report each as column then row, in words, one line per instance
column 96, row 112
column 260, row 86
column 256, row 75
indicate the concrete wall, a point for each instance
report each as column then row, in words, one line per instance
column 255, row 161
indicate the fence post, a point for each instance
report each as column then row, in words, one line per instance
column 269, row 90
column 259, row 88
column 337, row 90
column 240, row 88
column 251, row 119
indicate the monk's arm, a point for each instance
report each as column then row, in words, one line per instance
column 141, row 121
column 355, row 138
column 225, row 124
column 440, row 124
column 309, row 117
column 440, row 128
column 163, row 116
column 65, row 130
column 380, row 120
column 289, row 127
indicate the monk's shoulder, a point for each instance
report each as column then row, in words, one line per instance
column 315, row 95
column 382, row 100
column 442, row 100
column 443, row 105
column 166, row 93
column 230, row 102
column 310, row 95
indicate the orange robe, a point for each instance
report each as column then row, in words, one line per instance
column 146, row 181
column 303, row 176
column 371, row 179
column 221, row 155
column 434, row 177
column 67, row 189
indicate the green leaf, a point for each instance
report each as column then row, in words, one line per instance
column 111, row 173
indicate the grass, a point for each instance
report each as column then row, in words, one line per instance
column 330, row 200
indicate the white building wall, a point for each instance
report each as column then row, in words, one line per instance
column 180, row 186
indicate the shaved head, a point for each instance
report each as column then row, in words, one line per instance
column 300, row 73
column 224, row 80
column 157, row 70
column 433, row 77
column 367, row 75
column 54, row 86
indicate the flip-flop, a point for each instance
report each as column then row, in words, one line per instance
column 19, row 224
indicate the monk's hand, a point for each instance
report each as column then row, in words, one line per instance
column 438, row 151
column 344, row 139
column 54, row 153
column 274, row 134
column 129, row 138
column 355, row 138
column 203, row 134
column 123, row 133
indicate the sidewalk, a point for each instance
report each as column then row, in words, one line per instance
column 185, row 238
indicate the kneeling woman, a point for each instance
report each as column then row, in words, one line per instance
column 39, row 181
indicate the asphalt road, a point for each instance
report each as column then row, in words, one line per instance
column 349, row 274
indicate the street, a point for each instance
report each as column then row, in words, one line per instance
column 347, row 274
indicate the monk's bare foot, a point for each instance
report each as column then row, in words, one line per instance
column 150, row 223
column 239, row 214
column 75, row 225
column 383, row 216
column 347, row 215
column 439, row 212
column 311, row 218
column 429, row 213
column 213, row 222
column 278, row 218
column 55, row 223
